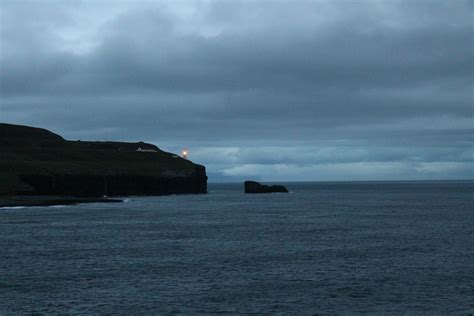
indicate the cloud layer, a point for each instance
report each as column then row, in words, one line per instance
column 276, row 90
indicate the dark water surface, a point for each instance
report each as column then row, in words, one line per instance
column 325, row 248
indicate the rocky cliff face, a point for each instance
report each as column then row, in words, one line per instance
column 113, row 185
column 38, row 162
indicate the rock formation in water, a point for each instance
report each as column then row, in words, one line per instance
column 255, row 187
column 35, row 161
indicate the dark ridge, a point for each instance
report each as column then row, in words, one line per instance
column 35, row 161
column 20, row 133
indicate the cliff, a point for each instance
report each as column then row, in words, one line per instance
column 35, row 161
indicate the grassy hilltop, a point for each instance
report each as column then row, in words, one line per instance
column 34, row 151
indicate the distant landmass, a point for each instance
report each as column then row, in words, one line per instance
column 256, row 187
column 35, row 161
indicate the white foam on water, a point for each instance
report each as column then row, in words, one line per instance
column 12, row 207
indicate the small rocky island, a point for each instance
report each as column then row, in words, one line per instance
column 35, row 162
column 255, row 187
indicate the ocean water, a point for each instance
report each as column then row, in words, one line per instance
column 374, row 247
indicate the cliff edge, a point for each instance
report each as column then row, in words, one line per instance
column 35, row 161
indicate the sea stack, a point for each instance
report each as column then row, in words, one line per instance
column 255, row 187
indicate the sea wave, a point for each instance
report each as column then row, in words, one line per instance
column 12, row 207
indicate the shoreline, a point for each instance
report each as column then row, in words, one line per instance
column 47, row 200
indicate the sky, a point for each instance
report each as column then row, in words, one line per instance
column 296, row 90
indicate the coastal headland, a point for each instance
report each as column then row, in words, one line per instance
column 37, row 162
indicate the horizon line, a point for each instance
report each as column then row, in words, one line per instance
column 345, row 181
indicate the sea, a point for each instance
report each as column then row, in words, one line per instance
column 324, row 248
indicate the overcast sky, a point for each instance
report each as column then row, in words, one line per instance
column 268, row 90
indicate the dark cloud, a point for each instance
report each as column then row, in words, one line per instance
column 283, row 90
